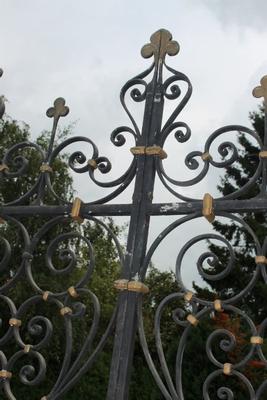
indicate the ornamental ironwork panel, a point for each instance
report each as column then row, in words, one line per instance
column 40, row 220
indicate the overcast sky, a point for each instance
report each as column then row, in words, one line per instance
column 85, row 51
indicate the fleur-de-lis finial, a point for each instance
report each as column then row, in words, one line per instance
column 59, row 109
column 261, row 91
column 161, row 44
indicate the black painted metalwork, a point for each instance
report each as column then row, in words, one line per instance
column 153, row 86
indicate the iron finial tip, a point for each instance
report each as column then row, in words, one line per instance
column 161, row 43
column 261, row 91
column 59, row 109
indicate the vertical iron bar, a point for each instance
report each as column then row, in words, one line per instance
column 136, row 244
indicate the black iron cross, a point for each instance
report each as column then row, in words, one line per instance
column 148, row 161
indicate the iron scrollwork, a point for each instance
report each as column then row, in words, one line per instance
column 159, row 83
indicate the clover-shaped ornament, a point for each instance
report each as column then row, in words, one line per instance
column 261, row 91
column 59, row 109
column 161, row 44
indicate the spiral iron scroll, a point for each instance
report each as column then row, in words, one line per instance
column 30, row 327
column 200, row 309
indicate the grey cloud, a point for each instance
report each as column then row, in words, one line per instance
column 241, row 13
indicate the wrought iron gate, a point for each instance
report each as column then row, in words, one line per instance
column 147, row 163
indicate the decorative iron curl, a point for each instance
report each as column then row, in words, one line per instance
column 210, row 257
column 228, row 340
column 175, row 90
column 6, row 336
column 28, row 375
column 78, row 161
column 226, row 149
column 17, row 167
column 206, row 255
column 92, row 164
column 201, row 309
column 225, row 393
column 66, row 255
column 172, row 92
column 38, row 327
column 175, row 392
column 8, row 251
column 71, row 370
column 117, row 137
column 135, row 94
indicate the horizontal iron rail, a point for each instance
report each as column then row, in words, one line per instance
column 176, row 208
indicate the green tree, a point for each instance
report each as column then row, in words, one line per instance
column 106, row 268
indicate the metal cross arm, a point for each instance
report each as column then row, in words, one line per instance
column 153, row 87
column 155, row 209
